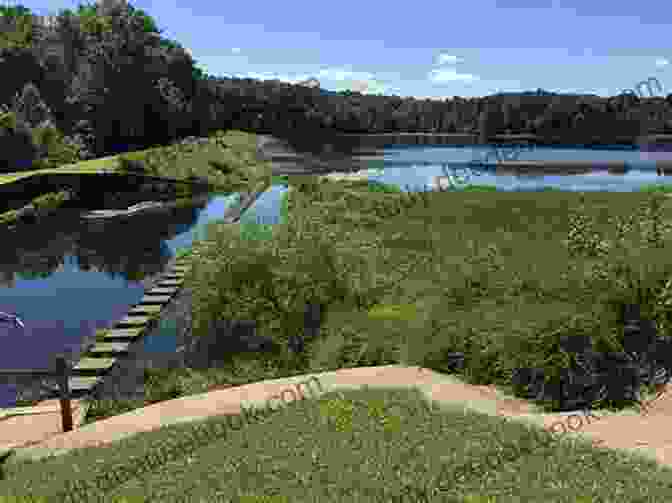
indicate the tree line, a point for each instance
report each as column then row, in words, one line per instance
column 99, row 82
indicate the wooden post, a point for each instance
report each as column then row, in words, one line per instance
column 63, row 372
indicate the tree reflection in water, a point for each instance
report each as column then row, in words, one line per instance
column 131, row 248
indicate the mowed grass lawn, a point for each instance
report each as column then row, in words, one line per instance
column 90, row 166
column 366, row 445
column 179, row 162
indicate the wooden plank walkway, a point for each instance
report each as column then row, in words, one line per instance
column 123, row 334
column 133, row 321
column 163, row 291
column 96, row 365
column 109, row 347
column 158, row 299
column 169, row 283
column 146, row 309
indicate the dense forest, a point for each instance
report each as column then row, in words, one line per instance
column 103, row 80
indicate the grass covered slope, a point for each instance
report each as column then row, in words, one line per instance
column 362, row 445
column 225, row 154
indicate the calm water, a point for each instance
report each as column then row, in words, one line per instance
column 65, row 278
column 417, row 167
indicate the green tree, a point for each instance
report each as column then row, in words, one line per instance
column 17, row 27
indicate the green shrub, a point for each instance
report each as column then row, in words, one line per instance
column 54, row 148
column 387, row 188
column 7, row 120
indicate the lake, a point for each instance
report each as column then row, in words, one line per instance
column 417, row 168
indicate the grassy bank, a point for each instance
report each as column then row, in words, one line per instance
column 44, row 205
column 233, row 154
column 362, row 445
column 228, row 160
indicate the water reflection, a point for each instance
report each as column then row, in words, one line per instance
column 130, row 248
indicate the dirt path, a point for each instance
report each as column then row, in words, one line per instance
column 647, row 435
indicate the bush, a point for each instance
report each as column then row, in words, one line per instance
column 17, row 149
column 53, row 147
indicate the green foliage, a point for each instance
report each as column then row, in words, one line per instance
column 254, row 231
column 17, row 27
column 383, row 187
column 148, row 23
column 14, row 11
column 657, row 187
column 8, row 120
column 91, row 22
column 50, row 201
column 8, row 217
column 54, row 147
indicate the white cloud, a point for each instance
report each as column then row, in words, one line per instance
column 363, row 82
column 235, row 50
column 441, row 76
column 449, row 59
column 660, row 62
column 335, row 79
column 433, row 98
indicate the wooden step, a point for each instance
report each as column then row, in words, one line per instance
column 108, row 347
column 169, row 277
column 149, row 309
column 155, row 299
column 133, row 321
column 83, row 384
column 97, row 365
column 163, row 291
column 123, row 334
column 169, row 283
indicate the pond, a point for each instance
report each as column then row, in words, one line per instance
column 66, row 277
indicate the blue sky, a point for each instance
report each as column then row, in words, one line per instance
column 435, row 49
